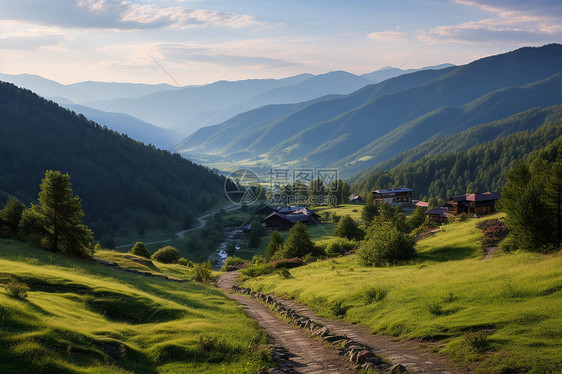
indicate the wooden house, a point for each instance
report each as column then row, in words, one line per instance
column 354, row 199
column 288, row 216
column 474, row 204
column 393, row 195
column 439, row 215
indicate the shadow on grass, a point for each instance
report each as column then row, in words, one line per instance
column 446, row 253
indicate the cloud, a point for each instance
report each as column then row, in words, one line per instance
column 508, row 8
column 29, row 40
column 391, row 36
column 181, row 53
column 512, row 21
column 117, row 14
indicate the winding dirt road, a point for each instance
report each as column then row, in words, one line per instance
column 308, row 355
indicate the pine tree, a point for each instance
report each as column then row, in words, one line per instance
column 298, row 243
column 275, row 244
column 10, row 218
column 347, row 228
column 369, row 211
column 56, row 222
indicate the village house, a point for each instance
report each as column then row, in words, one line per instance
column 284, row 218
column 474, row 204
column 439, row 215
column 393, row 196
column 354, row 199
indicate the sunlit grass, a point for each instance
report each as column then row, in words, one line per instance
column 87, row 318
column 447, row 290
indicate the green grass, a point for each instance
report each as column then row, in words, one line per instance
column 80, row 317
column 446, row 291
column 342, row 210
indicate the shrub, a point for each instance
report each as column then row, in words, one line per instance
column 287, row 263
column 373, row 294
column 339, row 246
column 202, row 272
column 284, row 273
column 139, row 249
column 233, row 263
column 185, row 262
column 384, row 245
column 17, row 290
column 338, row 309
column 494, row 230
column 167, row 255
column 435, row 308
column 257, row 270
column 477, row 340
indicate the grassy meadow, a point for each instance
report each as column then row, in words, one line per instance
column 496, row 315
column 80, row 317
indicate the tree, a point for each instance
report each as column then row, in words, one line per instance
column 275, row 243
column 384, row 244
column 139, row 249
column 347, row 228
column 167, row 255
column 416, row 219
column 256, row 233
column 433, row 203
column 298, row 243
column 369, row 211
column 56, row 222
column 10, row 218
column 345, row 192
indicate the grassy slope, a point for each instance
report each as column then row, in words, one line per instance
column 87, row 318
column 516, row 297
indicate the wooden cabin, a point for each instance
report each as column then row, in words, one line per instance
column 393, row 195
column 439, row 215
column 287, row 217
column 354, row 199
column 474, row 204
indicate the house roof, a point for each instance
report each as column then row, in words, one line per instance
column 486, row 196
column 441, row 212
column 299, row 217
column 394, row 190
column 423, row 204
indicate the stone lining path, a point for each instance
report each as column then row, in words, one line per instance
column 308, row 355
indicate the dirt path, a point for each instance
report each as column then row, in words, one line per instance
column 414, row 356
column 305, row 354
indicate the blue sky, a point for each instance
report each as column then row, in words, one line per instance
column 208, row 40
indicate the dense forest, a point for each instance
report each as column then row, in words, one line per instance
column 120, row 181
column 477, row 169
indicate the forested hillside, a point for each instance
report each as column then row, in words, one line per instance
column 120, row 181
column 476, row 169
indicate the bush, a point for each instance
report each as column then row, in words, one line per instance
column 284, row 273
column 339, row 246
column 167, row 255
column 374, row 294
column 348, row 229
column 338, row 309
column 385, row 245
column 257, row 270
column 477, row 340
column 494, row 230
column 233, row 263
column 287, row 263
column 139, row 249
column 185, row 262
column 202, row 272
column 17, row 290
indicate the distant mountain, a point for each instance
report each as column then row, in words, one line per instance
column 266, row 134
column 380, row 121
column 83, row 91
column 133, row 127
column 124, row 184
column 475, row 160
column 529, row 121
column 389, row 72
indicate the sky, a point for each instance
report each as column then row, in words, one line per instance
column 202, row 41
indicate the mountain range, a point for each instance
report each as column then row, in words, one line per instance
column 371, row 125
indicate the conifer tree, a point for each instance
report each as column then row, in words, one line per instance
column 275, row 244
column 10, row 218
column 56, row 222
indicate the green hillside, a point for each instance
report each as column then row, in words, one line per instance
column 450, row 169
column 123, row 184
column 499, row 315
column 80, row 317
column 380, row 121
